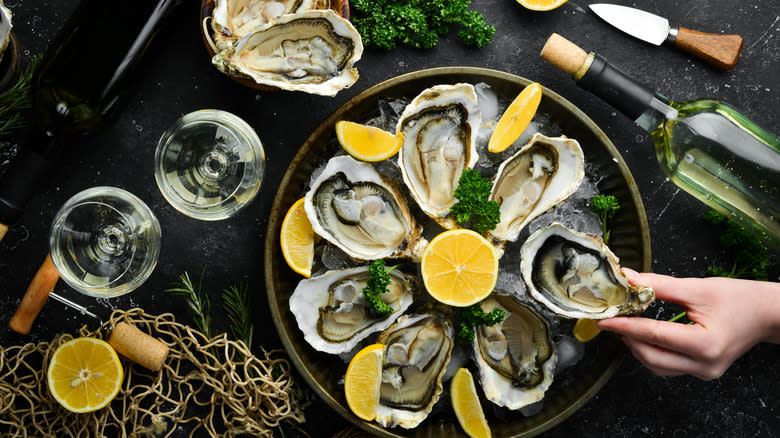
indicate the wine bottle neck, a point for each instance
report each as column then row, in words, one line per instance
column 616, row 88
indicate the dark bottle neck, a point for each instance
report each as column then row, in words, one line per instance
column 616, row 88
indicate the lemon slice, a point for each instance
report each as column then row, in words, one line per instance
column 459, row 267
column 585, row 330
column 297, row 238
column 541, row 5
column 362, row 381
column 465, row 402
column 367, row 143
column 84, row 374
column 516, row 118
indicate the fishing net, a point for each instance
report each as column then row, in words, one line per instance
column 207, row 386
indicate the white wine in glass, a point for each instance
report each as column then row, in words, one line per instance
column 105, row 242
column 209, row 164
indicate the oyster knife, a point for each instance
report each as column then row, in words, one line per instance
column 720, row 50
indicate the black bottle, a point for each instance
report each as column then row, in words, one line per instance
column 76, row 88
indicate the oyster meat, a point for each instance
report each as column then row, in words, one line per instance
column 541, row 175
column 233, row 19
column 417, row 351
column 575, row 275
column 362, row 212
column 312, row 51
column 332, row 313
column 439, row 129
column 516, row 357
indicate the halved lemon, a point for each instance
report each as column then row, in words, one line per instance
column 465, row 402
column 541, row 5
column 585, row 330
column 516, row 118
column 84, row 374
column 362, row 381
column 297, row 238
column 367, row 143
column 459, row 267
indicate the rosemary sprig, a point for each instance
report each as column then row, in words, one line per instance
column 197, row 301
column 238, row 305
column 16, row 99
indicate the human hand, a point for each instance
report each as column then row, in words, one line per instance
column 730, row 316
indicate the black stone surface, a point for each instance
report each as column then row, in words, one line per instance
column 177, row 77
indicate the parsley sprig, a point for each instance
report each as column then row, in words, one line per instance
column 473, row 206
column 751, row 258
column 606, row 206
column 473, row 316
column 378, row 280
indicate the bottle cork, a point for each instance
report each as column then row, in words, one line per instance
column 563, row 54
column 137, row 346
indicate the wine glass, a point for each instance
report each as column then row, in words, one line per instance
column 209, row 164
column 104, row 242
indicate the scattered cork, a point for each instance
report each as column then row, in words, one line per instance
column 137, row 346
column 563, row 54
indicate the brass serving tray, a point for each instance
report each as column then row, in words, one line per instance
column 631, row 242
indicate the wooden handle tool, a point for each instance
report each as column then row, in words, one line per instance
column 720, row 50
column 35, row 297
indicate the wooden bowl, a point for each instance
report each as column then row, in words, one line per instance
column 341, row 7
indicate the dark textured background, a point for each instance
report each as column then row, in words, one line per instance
column 176, row 77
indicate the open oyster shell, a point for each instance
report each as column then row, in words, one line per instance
column 541, row 175
column 233, row 19
column 417, row 351
column 312, row 51
column 575, row 275
column 516, row 357
column 5, row 28
column 332, row 313
column 440, row 129
column 362, row 212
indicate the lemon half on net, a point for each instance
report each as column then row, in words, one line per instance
column 84, row 374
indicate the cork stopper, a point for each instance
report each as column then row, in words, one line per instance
column 137, row 346
column 563, row 54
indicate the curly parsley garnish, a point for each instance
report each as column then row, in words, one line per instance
column 473, row 206
column 473, row 316
column 378, row 280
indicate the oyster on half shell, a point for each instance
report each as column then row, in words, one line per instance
column 417, row 352
column 233, row 19
column 362, row 212
column 541, row 175
column 575, row 275
column 439, row 129
column 312, row 51
column 516, row 357
column 332, row 313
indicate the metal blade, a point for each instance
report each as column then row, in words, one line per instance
column 640, row 24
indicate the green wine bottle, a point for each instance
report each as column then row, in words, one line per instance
column 76, row 88
column 706, row 147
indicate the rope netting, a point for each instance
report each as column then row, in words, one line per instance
column 214, row 386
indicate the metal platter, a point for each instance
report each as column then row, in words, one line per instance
column 631, row 243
